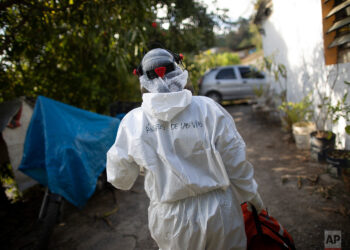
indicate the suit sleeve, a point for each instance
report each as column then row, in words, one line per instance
column 122, row 170
column 232, row 149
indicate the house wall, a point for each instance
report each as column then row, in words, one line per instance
column 293, row 37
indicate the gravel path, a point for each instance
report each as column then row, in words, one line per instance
column 285, row 176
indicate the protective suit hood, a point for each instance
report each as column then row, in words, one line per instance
column 165, row 106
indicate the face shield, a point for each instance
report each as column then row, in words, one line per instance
column 161, row 73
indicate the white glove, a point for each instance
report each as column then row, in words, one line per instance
column 257, row 202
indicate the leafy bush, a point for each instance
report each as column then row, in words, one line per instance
column 340, row 110
column 258, row 91
column 296, row 112
column 279, row 73
column 198, row 65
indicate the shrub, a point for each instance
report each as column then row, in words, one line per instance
column 296, row 112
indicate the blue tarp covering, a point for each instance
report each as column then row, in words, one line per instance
column 65, row 148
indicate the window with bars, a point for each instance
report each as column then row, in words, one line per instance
column 336, row 30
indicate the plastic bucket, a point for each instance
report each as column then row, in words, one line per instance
column 301, row 133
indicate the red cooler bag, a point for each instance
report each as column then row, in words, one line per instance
column 264, row 231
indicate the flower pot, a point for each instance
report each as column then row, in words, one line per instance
column 301, row 133
column 339, row 159
column 261, row 100
column 320, row 143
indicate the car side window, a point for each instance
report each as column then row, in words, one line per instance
column 248, row 73
column 227, row 73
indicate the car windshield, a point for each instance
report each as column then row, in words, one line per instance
column 226, row 73
column 247, row 72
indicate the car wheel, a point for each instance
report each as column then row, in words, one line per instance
column 215, row 96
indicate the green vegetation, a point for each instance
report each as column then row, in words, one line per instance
column 245, row 35
column 340, row 110
column 296, row 112
column 7, row 180
column 259, row 91
column 198, row 65
column 279, row 73
column 82, row 52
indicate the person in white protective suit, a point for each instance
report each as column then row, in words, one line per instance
column 196, row 172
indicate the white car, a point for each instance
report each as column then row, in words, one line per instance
column 231, row 82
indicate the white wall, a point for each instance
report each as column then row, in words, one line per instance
column 293, row 35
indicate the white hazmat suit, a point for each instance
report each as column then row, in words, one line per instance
column 196, row 172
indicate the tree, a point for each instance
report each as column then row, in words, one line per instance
column 190, row 26
column 82, row 52
column 245, row 35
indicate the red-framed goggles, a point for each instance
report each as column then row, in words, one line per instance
column 157, row 72
column 160, row 71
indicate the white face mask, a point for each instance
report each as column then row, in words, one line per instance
column 172, row 82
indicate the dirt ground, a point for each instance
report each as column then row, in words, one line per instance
column 295, row 189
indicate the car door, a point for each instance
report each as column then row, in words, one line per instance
column 227, row 82
column 251, row 78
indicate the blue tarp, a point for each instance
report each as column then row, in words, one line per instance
column 65, row 148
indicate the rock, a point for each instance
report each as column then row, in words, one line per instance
column 285, row 178
column 326, row 179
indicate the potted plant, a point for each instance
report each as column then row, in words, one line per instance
column 301, row 133
column 259, row 95
column 322, row 140
column 340, row 158
column 296, row 119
